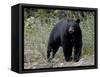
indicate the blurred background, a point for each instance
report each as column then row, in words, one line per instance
column 38, row 24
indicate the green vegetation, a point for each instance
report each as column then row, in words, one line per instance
column 38, row 24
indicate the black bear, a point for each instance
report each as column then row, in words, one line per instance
column 68, row 34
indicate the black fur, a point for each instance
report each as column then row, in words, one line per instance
column 66, row 33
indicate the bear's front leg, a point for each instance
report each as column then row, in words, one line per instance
column 77, row 50
column 67, row 49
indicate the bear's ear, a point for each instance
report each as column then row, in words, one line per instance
column 78, row 21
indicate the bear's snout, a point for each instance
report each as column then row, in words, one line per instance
column 71, row 30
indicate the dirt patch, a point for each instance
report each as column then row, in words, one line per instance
column 85, row 61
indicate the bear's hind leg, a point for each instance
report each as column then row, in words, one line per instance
column 49, row 54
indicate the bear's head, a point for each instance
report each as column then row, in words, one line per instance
column 73, row 26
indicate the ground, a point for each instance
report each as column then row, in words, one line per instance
column 84, row 61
